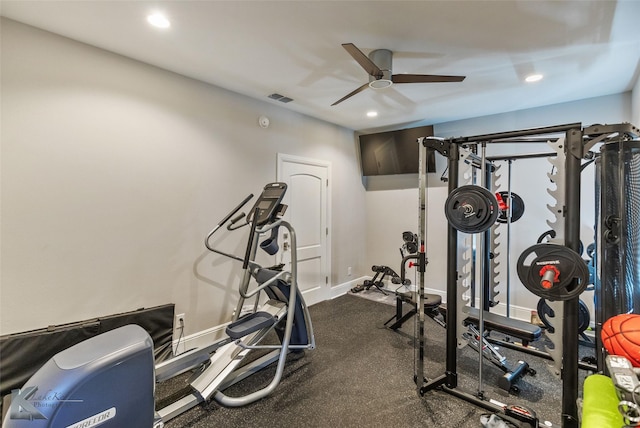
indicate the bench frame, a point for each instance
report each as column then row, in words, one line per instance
column 437, row 312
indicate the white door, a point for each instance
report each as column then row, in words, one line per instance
column 308, row 200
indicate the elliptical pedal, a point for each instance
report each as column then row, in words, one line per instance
column 250, row 324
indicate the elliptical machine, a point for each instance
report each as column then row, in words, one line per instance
column 109, row 380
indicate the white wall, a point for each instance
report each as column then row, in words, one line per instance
column 392, row 211
column 113, row 171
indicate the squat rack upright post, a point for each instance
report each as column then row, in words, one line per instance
column 574, row 153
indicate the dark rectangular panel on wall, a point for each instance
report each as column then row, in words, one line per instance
column 22, row 354
column 394, row 152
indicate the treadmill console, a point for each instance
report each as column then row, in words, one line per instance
column 269, row 203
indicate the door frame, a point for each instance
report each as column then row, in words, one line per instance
column 281, row 159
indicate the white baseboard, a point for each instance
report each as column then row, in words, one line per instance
column 342, row 289
column 516, row 312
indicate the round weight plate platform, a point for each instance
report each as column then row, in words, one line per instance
column 564, row 262
column 517, row 207
column 471, row 209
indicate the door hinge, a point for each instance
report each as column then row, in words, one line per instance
column 327, row 182
column 326, row 280
column 326, row 232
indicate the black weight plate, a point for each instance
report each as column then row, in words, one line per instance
column 471, row 209
column 409, row 237
column 412, row 247
column 584, row 317
column 517, row 207
column 569, row 263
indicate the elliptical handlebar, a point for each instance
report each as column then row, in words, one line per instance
column 236, row 209
column 240, row 216
column 224, row 220
column 247, row 254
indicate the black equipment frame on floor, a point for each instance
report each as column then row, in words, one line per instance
column 450, row 148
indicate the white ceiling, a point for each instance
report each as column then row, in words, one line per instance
column 584, row 48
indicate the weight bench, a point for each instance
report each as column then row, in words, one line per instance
column 431, row 304
column 377, row 280
column 522, row 330
column 493, row 322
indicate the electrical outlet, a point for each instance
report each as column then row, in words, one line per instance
column 178, row 333
column 349, row 271
column 179, row 322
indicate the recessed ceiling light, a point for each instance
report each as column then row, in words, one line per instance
column 158, row 20
column 372, row 113
column 533, row 78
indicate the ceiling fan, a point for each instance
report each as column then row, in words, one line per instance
column 378, row 65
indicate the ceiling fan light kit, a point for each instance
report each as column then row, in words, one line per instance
column 380, row 84
column 379, row 67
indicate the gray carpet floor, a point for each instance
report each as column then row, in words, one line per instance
column 361, row 374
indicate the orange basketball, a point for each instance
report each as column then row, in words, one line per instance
column 621, row 336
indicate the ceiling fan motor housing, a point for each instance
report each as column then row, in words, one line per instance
column 378, row 66
column 382, row 58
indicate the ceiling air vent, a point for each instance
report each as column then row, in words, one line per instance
column 280, row 98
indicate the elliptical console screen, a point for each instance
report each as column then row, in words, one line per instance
column 268, row 202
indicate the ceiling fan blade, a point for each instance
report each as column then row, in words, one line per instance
column 364, row 61
column 360, row 89
column 424, row 78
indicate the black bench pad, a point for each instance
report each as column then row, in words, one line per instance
column 431, row 301
column 512, row 327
